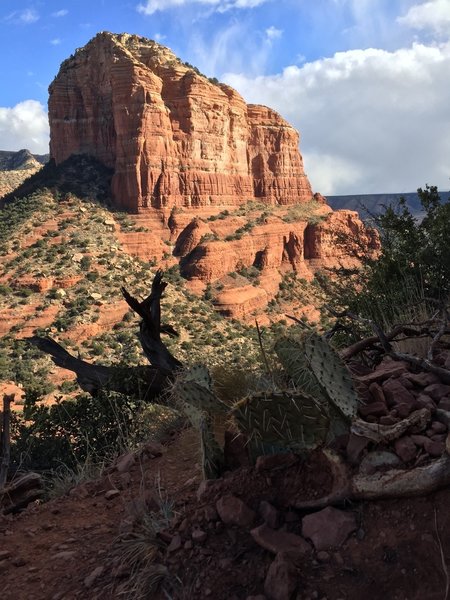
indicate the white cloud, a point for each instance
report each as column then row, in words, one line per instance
column 60, row 13
column 370, row 120
column 273, row 33
column 232, row 48
column 28, row 16
column 152, row 6
column 55, row 42
column 22, row 17
column 24, row 126
column 159, row 37
column 434, row 15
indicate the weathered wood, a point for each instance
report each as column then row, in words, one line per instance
column 144, row 382
column 395, row 483
column 147, row 382
column 20, row 492
column 387, row 433
column 150, row 328
column 5, row 438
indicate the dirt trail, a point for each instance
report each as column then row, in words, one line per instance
column 68, row 548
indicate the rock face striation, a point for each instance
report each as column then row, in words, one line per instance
column 182, row 149
column 173, row 137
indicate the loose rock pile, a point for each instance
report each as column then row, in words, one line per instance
column 391, row 393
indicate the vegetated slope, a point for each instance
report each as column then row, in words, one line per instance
column 153, row 239
column 62, row 266
column 22, row 159
column 367, row 204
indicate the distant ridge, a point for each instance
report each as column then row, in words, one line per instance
column 367, row 204
column 20, row 160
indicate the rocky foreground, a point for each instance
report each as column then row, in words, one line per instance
column 148, row 523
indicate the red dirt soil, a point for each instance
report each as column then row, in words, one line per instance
column 48, row 551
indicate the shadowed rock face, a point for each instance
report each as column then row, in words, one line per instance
column 172, row 137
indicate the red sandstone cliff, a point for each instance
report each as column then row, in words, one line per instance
column 183, row 148
column 172, row 137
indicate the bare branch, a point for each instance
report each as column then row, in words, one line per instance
column 150, row 328
column 438, row 336
column 146, row 381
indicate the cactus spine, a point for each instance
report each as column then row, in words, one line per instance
column 281, row 421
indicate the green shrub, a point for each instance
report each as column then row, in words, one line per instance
column 412, row 268
column 72, row 431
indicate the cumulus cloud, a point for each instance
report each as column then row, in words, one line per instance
column 25, row 125
column 55, row 41
column 371, row 120
column 433, row 15
column 152, row 6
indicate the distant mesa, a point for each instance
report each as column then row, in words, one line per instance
column 21, row 160
column 17, row 167
column 368, row 205
column 172, row 136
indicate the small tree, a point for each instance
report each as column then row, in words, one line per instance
column 412, row 268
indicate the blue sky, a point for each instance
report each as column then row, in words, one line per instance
column 364, row 81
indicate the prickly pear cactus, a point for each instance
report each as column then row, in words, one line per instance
column 194, row 387
column 190, row 392
column 277, row 421
column 332, row 375
column 199, row 374
column 192, row 395
column 310, row 357
column 292, row 355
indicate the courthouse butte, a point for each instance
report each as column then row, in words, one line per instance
column 214, row 181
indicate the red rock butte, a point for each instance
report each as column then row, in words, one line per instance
column 172, row 136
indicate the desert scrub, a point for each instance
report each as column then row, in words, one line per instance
column 75, row 430
column 15, row 214
column 302, row 212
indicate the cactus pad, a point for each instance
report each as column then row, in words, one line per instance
column 310, row 357
column 275, row 421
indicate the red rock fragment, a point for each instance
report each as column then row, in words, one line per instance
column 233, row 511
column 405, row 449
column 437, row 391
column 279, row 541
column 396, row 393
column 377, row 393
column 329, row 527
column 270, row 514
column 375, row 409
column 434, row 448
column 444, row 404
column 281, row 579
column 384, row 371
